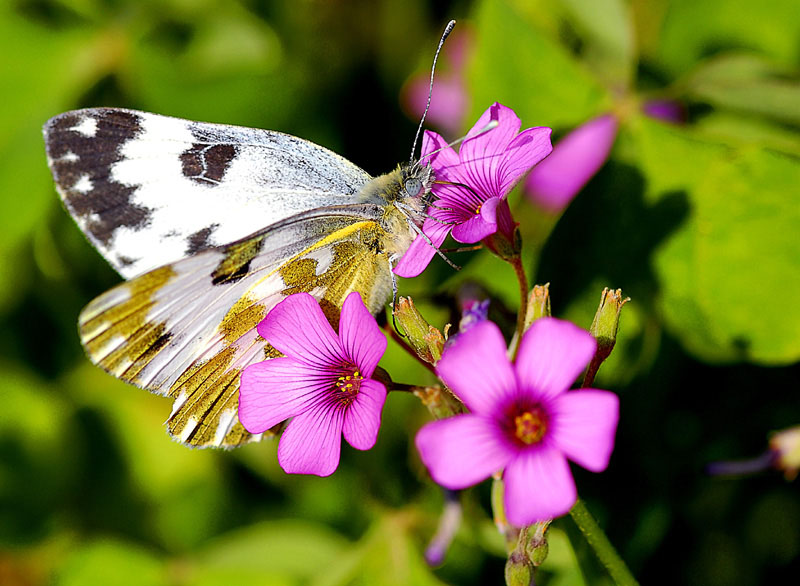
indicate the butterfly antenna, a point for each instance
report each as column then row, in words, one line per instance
column 447, row 30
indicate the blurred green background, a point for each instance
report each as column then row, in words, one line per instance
column 696, row 222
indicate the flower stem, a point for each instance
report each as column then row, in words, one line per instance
column 516, row 262
column 601, row 546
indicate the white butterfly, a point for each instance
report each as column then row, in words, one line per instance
column 179, row 209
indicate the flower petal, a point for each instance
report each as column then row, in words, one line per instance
column 526, row 150
column 477, row 368
column 482, row 154
column 478, row 226
column 312, row 441
column 444, row 158
column 298, row 328
column 275, row 390
column 420, row 253
column 361, row 338
column 574, row 160
column 475, row 229
column 463, row 450
column 539, row 486
column 583, row 426
column 363, row 416
column 552, row 355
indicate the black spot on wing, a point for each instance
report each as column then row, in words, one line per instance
column 236, row 262
column 200, row 240
column 206, row 164
column 81, row 163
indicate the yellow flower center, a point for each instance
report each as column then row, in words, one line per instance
column 478, row 209
column 530, row 426
column 349, row 383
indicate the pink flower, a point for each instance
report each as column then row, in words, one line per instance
column 487, row 166
column 523, row 419
column 575, row 159
column 323, row 383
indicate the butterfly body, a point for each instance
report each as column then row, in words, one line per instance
column 179, row 208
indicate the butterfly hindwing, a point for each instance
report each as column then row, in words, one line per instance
column 148, row 189
column 187, row 329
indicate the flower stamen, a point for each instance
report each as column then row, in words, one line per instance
column 531, row 426
column 349, row 384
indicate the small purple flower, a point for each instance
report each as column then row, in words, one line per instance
column 667, row 110
column 323, row 383
column 523, row 419
column 575, row 159
column 487, row 166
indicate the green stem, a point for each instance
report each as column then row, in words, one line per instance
column 516, row 262
column 601, row 546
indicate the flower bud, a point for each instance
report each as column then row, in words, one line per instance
column 538, row 304
column 426, row 340
column 785, row 446
column 440, row 402
column 574, row 161
column 604, row 328
column 519, row 570
column 536, row 546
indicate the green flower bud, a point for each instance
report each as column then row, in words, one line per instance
column 519, row 571
column 440, row 402
column 537, row 546
column 423, row 338
column 604, row 329
column 538, row 304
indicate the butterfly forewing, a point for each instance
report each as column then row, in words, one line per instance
column 187, row 329
column 148, row 189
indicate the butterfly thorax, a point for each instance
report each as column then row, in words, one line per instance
column 404, row 194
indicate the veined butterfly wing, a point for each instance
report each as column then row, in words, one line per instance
column 187, row 329
column 148, row 189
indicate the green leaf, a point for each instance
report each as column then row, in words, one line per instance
column 40, row 76
column 386, row 556
column 112, row 563
column 693, row 30
column 749, row 84
column 746, row 130
column 605, row 27
column 279, row 552
column 728, row 274
column 517, row 64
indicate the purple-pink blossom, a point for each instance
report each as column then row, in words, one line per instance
column 575, row 159
column 523, row 420
column 323, row 384
column 471, row 185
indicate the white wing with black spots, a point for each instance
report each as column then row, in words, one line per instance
column 148, row 190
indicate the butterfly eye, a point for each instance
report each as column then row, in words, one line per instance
column 413, row 187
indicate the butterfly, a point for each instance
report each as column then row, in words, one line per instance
column 179, row 209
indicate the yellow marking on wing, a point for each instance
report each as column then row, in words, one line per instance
column 126, row 323
column 244, row 316
column 208, row 388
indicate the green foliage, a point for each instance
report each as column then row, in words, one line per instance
column 696, row 222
